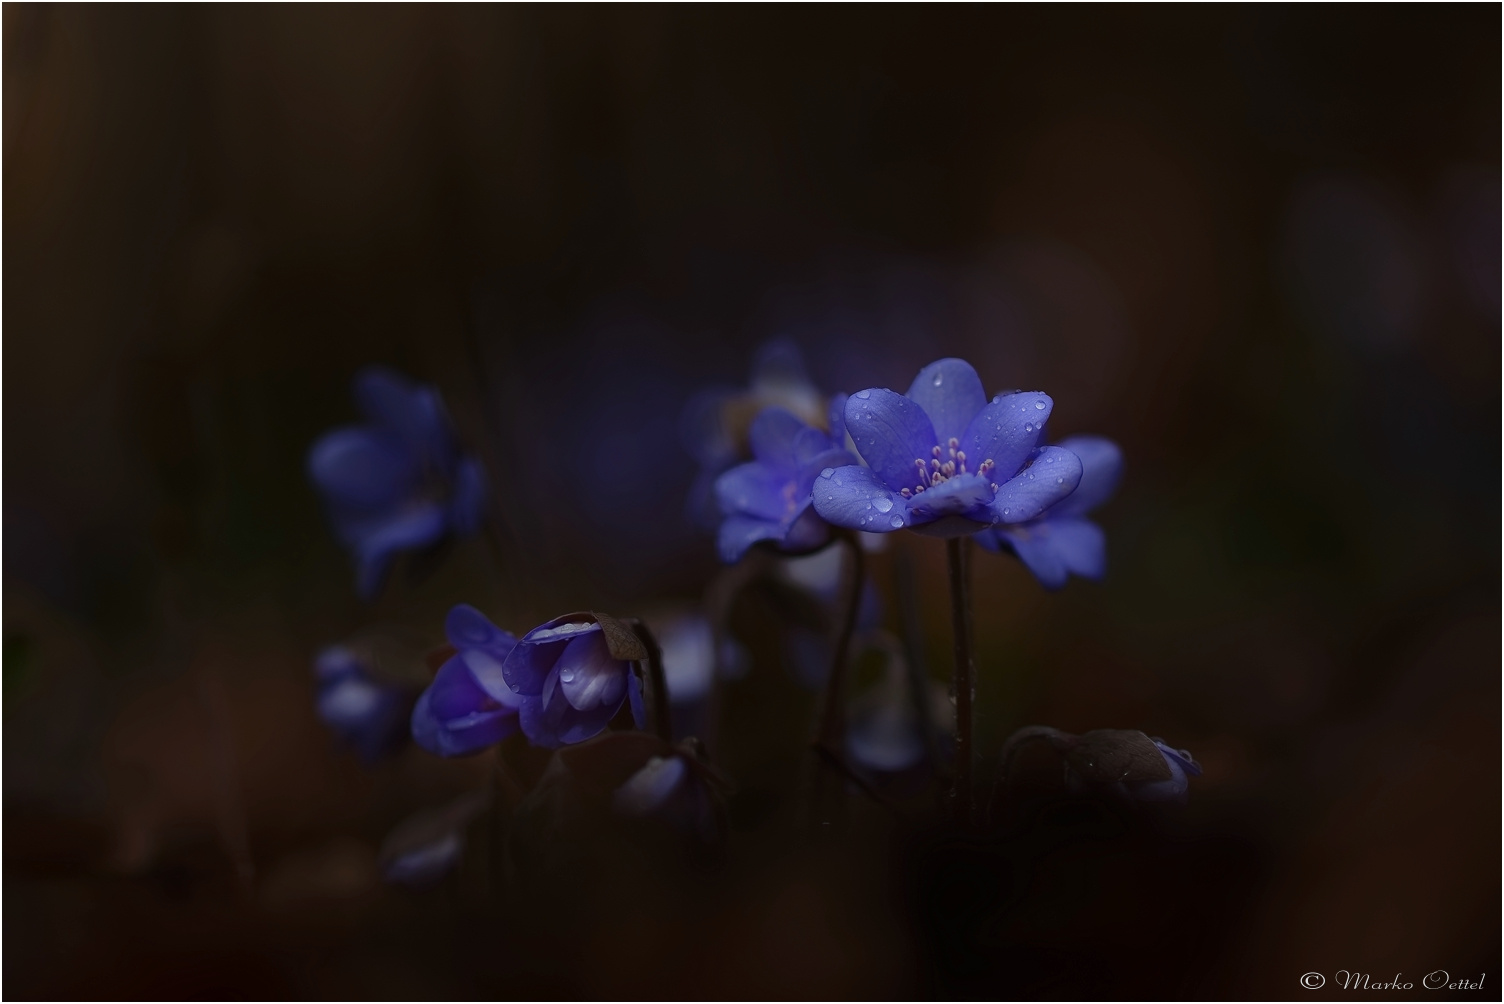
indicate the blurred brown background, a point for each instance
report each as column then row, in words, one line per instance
column 1258, row 246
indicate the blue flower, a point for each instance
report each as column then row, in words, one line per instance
column 714, row 424
column 469, row 706
column 769, row 498
column 570, row 684
column 367, row 713
column 399, row 482
column 1062, row 540
column 945, row 461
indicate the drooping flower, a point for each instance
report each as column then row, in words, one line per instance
column 1122, row 763
column 769, row 498
column 945, row 461
column 1063, row 541
column 469, row 706
column 674, row 788
column 427, row 845
column 569, row 682
column 1173, row 788
column 715, row 422
column 398, row 483
column 366, row 712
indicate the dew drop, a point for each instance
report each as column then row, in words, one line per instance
column 827, row 472
column 1028, row 426
column 869, row 505
column 566, row 676
column 883, row 505
column 1039, row 405
column 1060, row 481
column 937, row 379
column 896, row 521
column 863, row 394
column 1005, row 511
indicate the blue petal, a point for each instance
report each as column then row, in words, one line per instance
column 811, row 443
column 528, row 665
column 336, row 662
column 757, row 489
column 963, row 495
column 411, row 411
column 467, row 627
column 772, row 434
column 890, row 433
column 1006, row 431
column 588, row 676
column 738, row 533
column 856, row 498
column 951, row 394
column 1052, row 475
column 550, row 721
column 453, row 717
column 361, row 468
column 1101, row 467
column 415, row 528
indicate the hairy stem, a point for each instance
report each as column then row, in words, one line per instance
column 958, row 554
column 830, row 734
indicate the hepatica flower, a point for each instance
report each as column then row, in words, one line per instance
column 769, row 499
column 715, row 422
column 1063, row 541
column 945, row 461
column 366, row 712
column 570, row 684
column 469, row 706
column 398, row 483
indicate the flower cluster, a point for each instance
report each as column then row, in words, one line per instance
column 368, row 713
column 558, row 684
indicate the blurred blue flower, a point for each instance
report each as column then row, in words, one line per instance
column 469, row 706
column 714, row 424
column 368, row 713
column 769, row 498
column 943, row 460
column 399, row 482
column 570, row 684
column 427, row 845
column 1063, row 540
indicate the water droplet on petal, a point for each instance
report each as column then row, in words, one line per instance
column 1039, row 405
column 827, row 472
column 566, row 676
column 869, row 505
column 1060, row 481
column 897, row 522
column 937, row 379
column 883, row 505
column 1028, row 426
column 863, row 394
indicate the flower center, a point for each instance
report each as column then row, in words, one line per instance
column 944, row 464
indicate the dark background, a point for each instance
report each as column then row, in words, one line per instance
column 1258, row 246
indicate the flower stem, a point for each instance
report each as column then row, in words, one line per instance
column 913, row 649
column 830, row 734
column 963, row 686
column 657, row 698
column 832, row 729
